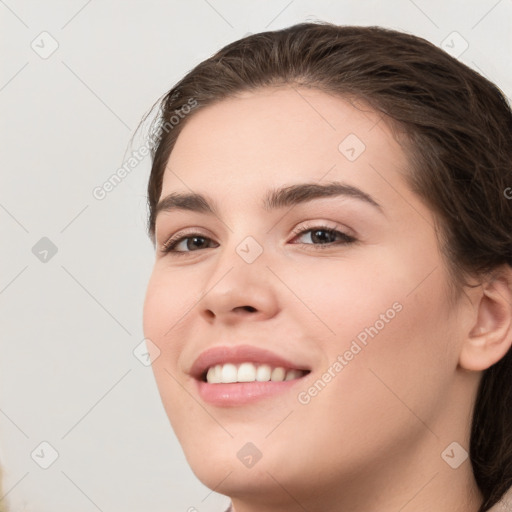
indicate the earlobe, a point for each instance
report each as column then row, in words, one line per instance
column 490, row 337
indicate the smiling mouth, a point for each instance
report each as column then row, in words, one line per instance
column 249, row 372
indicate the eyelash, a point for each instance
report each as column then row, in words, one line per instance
column 170, row 245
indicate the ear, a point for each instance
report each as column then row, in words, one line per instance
column 490, row 336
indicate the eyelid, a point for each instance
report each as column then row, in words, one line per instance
column 323, row 224
column 182, row 233
column 299, row 230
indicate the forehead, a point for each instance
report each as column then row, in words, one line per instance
column 282, row 135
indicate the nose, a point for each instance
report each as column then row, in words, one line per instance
column 239, row 291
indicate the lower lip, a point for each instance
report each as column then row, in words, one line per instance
column 242, row 393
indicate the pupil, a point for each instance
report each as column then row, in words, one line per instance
column 317, row 236
column 194, row 242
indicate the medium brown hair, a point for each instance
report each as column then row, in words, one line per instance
column 456, row 128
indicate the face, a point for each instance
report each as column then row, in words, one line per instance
column 315, row 257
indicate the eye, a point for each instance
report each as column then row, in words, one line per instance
column 190, row 242
column 319, row 236
column 323, row 235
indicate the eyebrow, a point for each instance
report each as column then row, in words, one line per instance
column 283, row 197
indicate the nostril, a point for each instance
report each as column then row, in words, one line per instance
column 248, row 308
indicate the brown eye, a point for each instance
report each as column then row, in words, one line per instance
column 321, row 235
column 189, row 243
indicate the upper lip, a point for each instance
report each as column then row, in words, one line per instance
column 240, row 354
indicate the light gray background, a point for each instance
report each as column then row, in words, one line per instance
column 69, row 325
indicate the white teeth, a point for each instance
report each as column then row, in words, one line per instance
column 229, row 373
column 249, row 372
column 246, row 372
column 263, row 373
column 214, row 374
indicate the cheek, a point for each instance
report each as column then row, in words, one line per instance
column 169, row 299
column 396, row 339
column 341, row 298
column 389, row 390
column 166, row 304
column 403, row 362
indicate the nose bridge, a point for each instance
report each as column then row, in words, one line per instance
column 240, row 279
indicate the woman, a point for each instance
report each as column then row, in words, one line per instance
column 332, row 289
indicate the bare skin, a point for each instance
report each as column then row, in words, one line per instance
column 378, row 434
